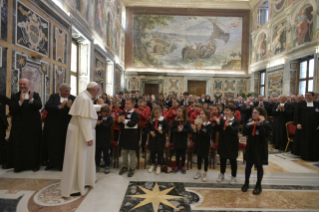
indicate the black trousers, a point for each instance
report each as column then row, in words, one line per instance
column 3, row 143
column 180, row 153
column 106, row 156
column 144, row 137
column 200, row 160
column 159, row 157
column 233, row 165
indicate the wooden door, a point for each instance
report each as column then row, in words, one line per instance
column 197, row 87
column 151, row 89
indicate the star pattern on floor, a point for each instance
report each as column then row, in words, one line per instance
column 155, row 197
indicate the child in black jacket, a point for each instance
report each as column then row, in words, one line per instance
column 157, row 127
column 180, row 128
column 228, row 142
column 202, row 143
column 103, row 138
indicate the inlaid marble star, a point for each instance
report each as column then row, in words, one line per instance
column 155, row 197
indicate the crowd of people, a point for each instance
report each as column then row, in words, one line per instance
column 186, row 120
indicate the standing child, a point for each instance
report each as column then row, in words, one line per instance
column 116, row 111
column 103, row 138
column 190, row 108
column 180, row 129
column 157, row 127
column 228, row 142
column 257, row 130
column 214, row 114
column 202, row 143
column 171, row 114
column 129, row 138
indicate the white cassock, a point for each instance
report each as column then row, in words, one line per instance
column 79, row 158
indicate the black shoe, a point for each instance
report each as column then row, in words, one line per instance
column 123, row 170
column 76, row 194
column 97, row 169
column 48, row 168
column 35, row 169
column 107, row 170
column 257, row 189
column 131, row 172
column 245, row 186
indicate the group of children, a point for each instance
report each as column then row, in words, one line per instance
column 196, row 122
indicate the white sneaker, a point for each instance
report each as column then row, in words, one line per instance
column 151, row 169
column 232, row 180
column 158, row 170
column 204, row 179
column 198, row 175
column 220, row 178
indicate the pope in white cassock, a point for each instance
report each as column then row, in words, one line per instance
column 79, row 158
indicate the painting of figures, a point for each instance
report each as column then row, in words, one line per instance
column 261, row 47
column 187, row 42
column 109, row 31
column 278, row 44
column 99, row 19
column 83, row 6
column 304, row 26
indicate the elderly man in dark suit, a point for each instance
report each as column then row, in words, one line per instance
column 262, row 103
column 56, row 125
column 3, row 127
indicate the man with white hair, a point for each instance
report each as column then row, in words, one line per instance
column 56, row 125
column 79, row 158
column 26, row 130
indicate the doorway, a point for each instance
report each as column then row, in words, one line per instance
column 151, row 89
column 197, row 87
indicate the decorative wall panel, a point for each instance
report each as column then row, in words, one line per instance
column 32, row 30
column 37, row 72
column 118, row 80
column 3, row 70
column 99, row 72
column 59, row 45
column 230, row 85
column 275, row 83
column 59, row 77
column 4, row 19
column 293, row 82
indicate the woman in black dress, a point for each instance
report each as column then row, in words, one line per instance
column 157, row 127
column 257, row 131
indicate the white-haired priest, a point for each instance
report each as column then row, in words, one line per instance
column 79, row 159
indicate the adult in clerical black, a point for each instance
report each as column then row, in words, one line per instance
column 3, row 127
column 25, row 135
column 262, row 103
column 122, row 100
column 307, row 120
column 248, row 111
column 241, row 107
column 271, row 104
column 282, row 114
column 56, row 125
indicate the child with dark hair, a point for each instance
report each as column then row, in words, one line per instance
column 157, row 127
column 103, row 138
column 237, row 112
column 180, row 129
column 227, row 127
column 257, row 130
column 202, row 143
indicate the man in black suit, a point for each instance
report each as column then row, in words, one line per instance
column 3, row 127
column 184, row 102
column 26, row 131
column 56, row 125
column 262, row 103
column 202, row 98
column 122, row 100
column 170, row 103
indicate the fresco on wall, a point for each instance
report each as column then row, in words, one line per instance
column 241, row 86
column 32, row 31
column 83, row 6
column 303, row 26
column 99, row 19
column 117, row 39
column 118, row 79
column 230, row 85
column 59, row 46
column 278, row 44
column 123, row 46
column 3, row 71
column 99, row 73
column 4, row 19
column 275, row 83
column 187, row 42
column 261, row 47
column 278, row 4
column 133, row 84
column 109, row 31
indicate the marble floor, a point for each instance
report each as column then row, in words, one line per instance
column 289, row 184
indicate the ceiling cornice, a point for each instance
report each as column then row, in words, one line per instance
column 207, row 4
